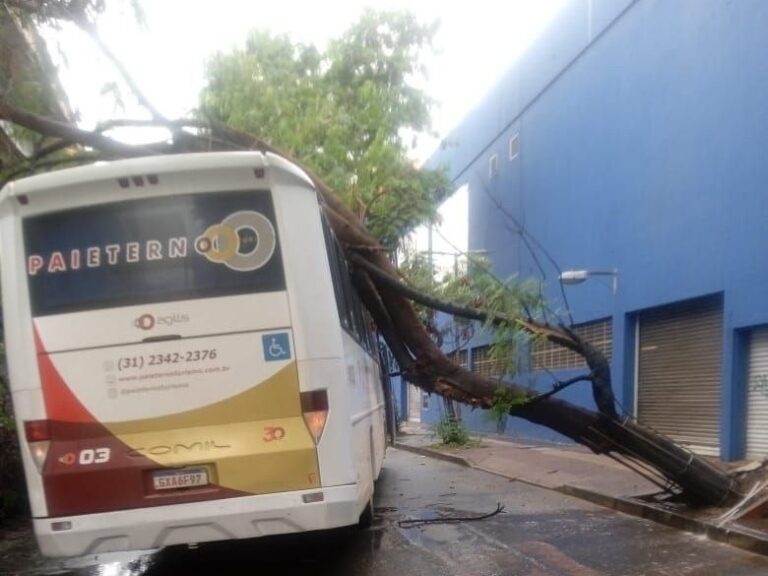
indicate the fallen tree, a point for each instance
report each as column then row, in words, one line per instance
column 389, row 299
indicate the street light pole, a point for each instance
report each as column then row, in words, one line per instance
column 570, row 277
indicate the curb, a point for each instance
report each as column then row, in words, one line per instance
column 743, row 538
column 458, row 460
column 750, row 540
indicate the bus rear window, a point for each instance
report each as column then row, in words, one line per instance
column 152, row 250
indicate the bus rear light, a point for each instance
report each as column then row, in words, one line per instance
column 37, row 430
column 39, row 452
column 314, row 407
column 38, row 433
column 315, row 422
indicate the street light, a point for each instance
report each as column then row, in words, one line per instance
column 570, row 277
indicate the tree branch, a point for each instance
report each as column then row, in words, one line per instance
column 70, row 133
column 424, row 299
column 92, row 31
column 9, row 149
column 601, row 376
column 560, row 385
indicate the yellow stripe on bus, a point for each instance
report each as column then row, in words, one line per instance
column 275, row 397
column 257, row 457
column 255, row 441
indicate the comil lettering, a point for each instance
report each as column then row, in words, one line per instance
column 109, row 255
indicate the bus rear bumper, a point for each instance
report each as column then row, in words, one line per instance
column 227, row 519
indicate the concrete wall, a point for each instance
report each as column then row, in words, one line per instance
column 643, row 130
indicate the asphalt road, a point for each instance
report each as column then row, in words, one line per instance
column 540, row 533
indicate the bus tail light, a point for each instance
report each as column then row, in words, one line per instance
column 314, row 407
column 38, row 433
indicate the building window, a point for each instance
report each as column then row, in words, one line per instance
column 485, row 365
column 460, row 357
column 514, row 146
column 425, row 401
column 549, row 356
column 493, row 165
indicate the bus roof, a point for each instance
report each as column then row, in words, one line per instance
column 154, row 165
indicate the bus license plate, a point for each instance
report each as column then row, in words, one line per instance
column 174, row 479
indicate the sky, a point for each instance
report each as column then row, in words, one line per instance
column 475, row 43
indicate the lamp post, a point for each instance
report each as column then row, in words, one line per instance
column 570, row 277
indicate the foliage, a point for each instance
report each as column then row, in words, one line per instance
column 24, row 79
column 419, row 272
column 346, row 111
column 451, row 432
column 473, row 284
column 504, row 400
column 54, row 12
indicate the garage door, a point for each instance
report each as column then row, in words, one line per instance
column 757, row 395
column 679, row 361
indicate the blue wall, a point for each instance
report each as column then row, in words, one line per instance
column 643, row 132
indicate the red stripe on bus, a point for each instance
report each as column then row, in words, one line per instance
column 60, row 402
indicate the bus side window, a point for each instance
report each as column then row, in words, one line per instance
column 353, row 316
column 338, row 270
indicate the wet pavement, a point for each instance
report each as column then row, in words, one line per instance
column 540, row 533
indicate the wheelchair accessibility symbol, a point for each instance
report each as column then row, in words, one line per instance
column 276, row 346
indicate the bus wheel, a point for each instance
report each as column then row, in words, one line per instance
column 366, row 518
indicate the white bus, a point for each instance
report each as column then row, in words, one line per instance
column 188, row 359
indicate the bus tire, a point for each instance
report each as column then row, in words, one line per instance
column 366, row 518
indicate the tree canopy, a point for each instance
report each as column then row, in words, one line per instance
column 348, row 111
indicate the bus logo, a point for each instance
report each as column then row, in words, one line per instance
column 145, row 322
column 148, row 321
column 244, row 241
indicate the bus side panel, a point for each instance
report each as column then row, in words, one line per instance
column 24, row 379
column 310, row 290
column 379, row 420
column 366, row 421
column 334, row 450
column 352, row 446
column 317, row 331
column 28, row 405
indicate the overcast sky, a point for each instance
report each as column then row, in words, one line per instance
column 475, row 43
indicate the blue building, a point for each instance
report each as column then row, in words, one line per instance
column 633, row 137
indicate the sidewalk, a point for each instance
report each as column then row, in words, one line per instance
column 576, row 471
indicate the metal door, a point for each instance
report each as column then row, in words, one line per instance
column 679, row 361
column 757, row 395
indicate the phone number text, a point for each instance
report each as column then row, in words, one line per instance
column 138, row 362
